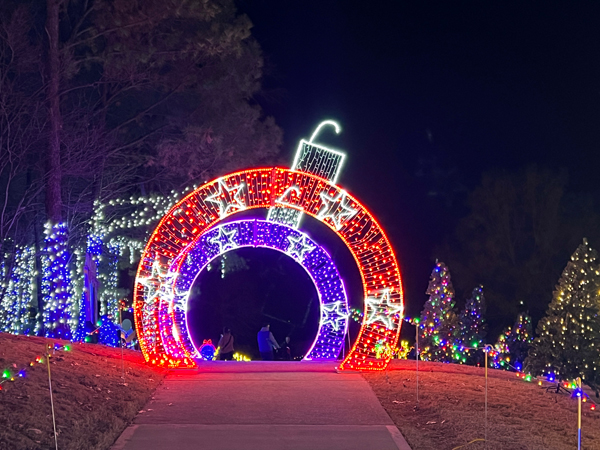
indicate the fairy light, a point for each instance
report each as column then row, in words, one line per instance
column 56, row 280
column 319, row 160
column 18, row 291
column 62, row 283
column 310, row 158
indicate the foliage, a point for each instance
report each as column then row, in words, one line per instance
column 438, row 321
column 152, row 96
column 568, row 342
column 520, row 226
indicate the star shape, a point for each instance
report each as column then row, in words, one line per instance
column 224, row 239
column 334, row 314
column 382, row 309
column 153, row 283
column 228, row 198
column 299, row 246
column 336, row 208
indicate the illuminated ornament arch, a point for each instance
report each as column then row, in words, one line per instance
column 194, row 224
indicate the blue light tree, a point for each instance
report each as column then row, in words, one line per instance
column 56, row 284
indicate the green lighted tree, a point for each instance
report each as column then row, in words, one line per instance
column 438, row 319
column 519, row 340
column 513, row 344
column 568, row 342
column 472, row 328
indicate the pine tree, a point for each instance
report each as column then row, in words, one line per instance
column 519, row 340
column 438, row 319
column 501, row 352
column 568, row 342
column 472, row 329
column 513, row 344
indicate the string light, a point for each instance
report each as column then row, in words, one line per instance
column 18, row 291
column 12, row 374
column 472, row 328
column 56, row 282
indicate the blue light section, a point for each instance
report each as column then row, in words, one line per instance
column 56, row 282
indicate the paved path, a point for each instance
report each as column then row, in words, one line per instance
column 263, row 405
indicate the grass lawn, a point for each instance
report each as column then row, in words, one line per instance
column 450, row 413
column 93, row 404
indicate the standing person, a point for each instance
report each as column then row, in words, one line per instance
column 286, row 350
column 266, row 343
column 225, row 345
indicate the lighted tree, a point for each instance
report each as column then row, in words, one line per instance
column 500, row 353
column 438, row 318
column 55, row 284
column 472, row 328
column 513, row 344
column 568, row 342
column 520, row 339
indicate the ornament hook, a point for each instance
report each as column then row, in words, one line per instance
column 333, row 123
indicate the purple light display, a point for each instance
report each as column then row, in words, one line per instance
column 254, row 233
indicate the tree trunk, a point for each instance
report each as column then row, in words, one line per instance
column 53, row 175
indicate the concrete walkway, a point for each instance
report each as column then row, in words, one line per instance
column 263, row 405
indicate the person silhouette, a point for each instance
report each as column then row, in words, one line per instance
column 225, row 345
column 286, row 350
column 266, row 343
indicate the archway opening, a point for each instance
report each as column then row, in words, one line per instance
column 246, row 287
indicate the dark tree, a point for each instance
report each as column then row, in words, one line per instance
column 138, row 96
column 520, row 227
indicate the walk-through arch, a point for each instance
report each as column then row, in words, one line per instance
column 195, row 227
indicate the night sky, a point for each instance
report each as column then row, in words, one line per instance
column 430, row 95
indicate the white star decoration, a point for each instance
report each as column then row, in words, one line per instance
column 299, row 246
column 159, row 287
column 334, row 314
column 154, row 282
column 224, row 239
column 228, row 198
column 336, row 208
column 382, row 310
